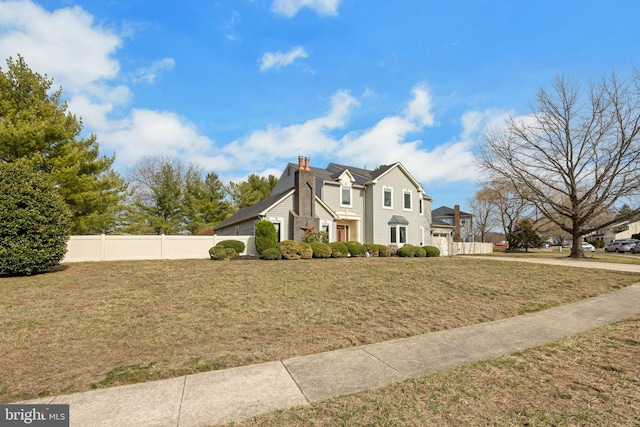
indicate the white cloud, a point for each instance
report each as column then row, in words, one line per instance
column 290, row 8
column 65, row 43
column 419, row 109
column 277, row 142
column 146, row 132
column 281, row 59
column 79, row 54
column 149, row 74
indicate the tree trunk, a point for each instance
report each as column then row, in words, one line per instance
column 576, row 248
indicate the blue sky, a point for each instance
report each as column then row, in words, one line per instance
column 246, row 86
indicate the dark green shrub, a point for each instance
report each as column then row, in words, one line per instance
column 266, row 236
column 237, row 245
column 34, row 221
column 633, row 236
column 220, row 253
column 289, row 249
column 384, row 251
column 338, row 250
column 321, row 250
column 356, row 249
column 271, row 254
column 406, row 251
column 432, row 251
column 599, row 244
column 372, row 248
column 316, row 236
column 420, row 252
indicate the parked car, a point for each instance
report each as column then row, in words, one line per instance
column 545, row 245
column 635, row 249
column 620, row 246
column 588, row 247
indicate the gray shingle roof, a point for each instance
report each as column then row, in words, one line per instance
column 252, row 211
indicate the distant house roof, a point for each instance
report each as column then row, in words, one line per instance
column 444, row 211
column 440, row 223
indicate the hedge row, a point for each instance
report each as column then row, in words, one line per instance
column 289, row 249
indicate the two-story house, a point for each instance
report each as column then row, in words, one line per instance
column 461, row 222
column 385, row 206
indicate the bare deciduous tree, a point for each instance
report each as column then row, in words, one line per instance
column 484, row 210
column 576, row 156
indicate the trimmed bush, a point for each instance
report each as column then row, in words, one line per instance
column 599, row 243
column 34, row 221
column 372, row 248
column 316, row 236
column 266, row 236
column 420, row 252
column 321, row 250
column 271, row 254
column 305, row 250
column 356, row 249
column 384, row 251
column 289, row 249
column 338, row 250
column 236, row 245
column 220, row 253
column 406, row 251
column 432, row 251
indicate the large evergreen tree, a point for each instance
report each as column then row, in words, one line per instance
column 36, row 127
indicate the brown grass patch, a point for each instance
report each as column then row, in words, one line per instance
column 91, row 325
column 590, row 379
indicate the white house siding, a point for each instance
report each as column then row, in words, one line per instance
column 397, row 180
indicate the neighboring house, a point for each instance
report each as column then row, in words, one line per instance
column 622, row 230
column 385, row 206
column 461, row 222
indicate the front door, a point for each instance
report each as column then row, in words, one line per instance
column 342, row 233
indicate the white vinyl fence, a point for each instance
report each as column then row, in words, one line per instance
column 121, row 248
column 471, row 248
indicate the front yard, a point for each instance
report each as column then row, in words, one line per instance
column 92, row 325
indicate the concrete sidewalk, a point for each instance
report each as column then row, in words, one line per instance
column 235, row 394
column 565, row 262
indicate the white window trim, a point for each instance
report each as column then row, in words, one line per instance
column 404, row 192
column 383, row 190
column 397, row 227
column 344, row 205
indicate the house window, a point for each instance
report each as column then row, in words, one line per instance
column 277, row 223
column 387, row 197
column 420, row 206
column 406, row 200
column 398, row 234
column 345, row 195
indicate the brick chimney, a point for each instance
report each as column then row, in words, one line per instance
column 303, row 214
column 456, row 223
